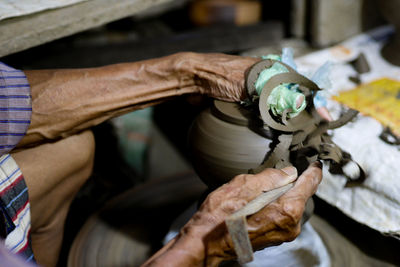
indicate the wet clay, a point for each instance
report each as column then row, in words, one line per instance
column 224, row 145
column 230, row 139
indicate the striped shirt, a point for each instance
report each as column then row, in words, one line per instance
column 15, row 107
column 15, row 114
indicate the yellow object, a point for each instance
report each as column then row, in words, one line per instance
column 237, row 12
column 379, row 99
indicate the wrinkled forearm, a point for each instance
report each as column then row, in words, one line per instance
column 67, row 101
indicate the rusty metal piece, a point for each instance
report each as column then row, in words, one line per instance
column 237, row 224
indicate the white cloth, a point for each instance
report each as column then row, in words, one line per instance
column 377, row 202
column 307, row 250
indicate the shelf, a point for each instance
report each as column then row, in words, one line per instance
column 20, row 33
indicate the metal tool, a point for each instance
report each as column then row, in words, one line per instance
column 237, row 223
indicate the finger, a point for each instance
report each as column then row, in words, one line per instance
column 324, row 113
column 274, row 178
column 291, row 204
column 268, row 179
column 246, row 187
column 307, row 184
column 283, row 216
column 275, row 237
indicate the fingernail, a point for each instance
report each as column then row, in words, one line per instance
column 299, row 101
column 290, row 171
column 317, row 164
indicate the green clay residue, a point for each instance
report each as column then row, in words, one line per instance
column 273, row 57
column 285, row 97
column 267, row 74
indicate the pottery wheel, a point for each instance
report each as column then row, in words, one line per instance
column 131, row 226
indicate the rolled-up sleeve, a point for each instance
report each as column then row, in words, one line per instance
column 15, row 107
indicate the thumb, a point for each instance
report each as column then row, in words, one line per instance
column 290, row 171
column 274, row 178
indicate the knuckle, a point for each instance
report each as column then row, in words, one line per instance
column 246, row 182
column 292, row 212
column 293, row 233
column 211, row 202
column 230, row 206
column 318, row 178
column 242, row 177
column 226, row 199
column 315, row 176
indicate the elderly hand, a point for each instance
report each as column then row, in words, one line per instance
column 219, row 76
column 276, row 223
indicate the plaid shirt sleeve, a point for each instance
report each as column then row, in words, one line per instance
column 15, row 115
column 15, row 107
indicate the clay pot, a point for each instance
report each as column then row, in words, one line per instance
column 390, row 10
column 225, row 140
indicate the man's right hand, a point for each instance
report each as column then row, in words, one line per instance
column 276, row 223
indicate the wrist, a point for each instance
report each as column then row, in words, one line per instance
column 189, row 250
column 199, row 237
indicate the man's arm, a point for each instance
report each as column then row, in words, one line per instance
column 204, row 240
column 68, row 101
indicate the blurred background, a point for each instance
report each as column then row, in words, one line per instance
column 147, row 149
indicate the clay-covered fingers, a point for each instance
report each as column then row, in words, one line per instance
column 280, row 221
